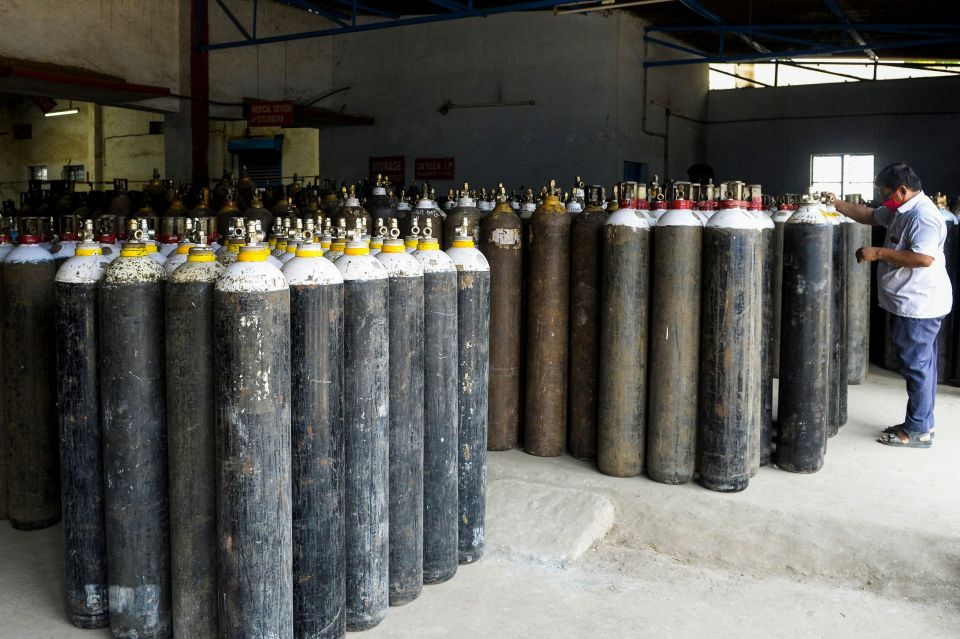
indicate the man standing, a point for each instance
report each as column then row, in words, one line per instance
column 913, row 287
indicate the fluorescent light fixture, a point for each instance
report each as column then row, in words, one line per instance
column 53, row 114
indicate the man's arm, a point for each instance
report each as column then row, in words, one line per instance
column 905, row 258
column 856, row 212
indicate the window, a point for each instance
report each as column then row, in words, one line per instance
column 38, row 172
column 821, row 71
column 843, row 174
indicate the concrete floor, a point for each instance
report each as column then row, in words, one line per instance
column 868, row 547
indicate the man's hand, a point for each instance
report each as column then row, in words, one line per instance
column 868, row 254
column 905, row 258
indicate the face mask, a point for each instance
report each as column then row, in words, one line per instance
column 893, row 203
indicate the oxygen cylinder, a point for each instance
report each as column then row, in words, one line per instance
column 339, row 244
column 81, row 435
column 466, row 207
column 351, row 211
column 254, row 521
column 257, row 212
column 191, row 431
column 30, row 385
column 423, row 211
column 473, row 361
column 786, row 206
column 379, row 203
column 182, row 253
column 503, row 248
column 806, row 311
column 586, row 261
column 366, row 432
column 167, row 235
column 945, row 338
column 858, row 299
column 107, row 237
column 730, row 351
column 131, row 348
column 548, row 305
column 406, row 353
column 625, row 298
column 316, row 357
column 440, row 419
column 674, row 345
column 838, row 324
column 767, row 230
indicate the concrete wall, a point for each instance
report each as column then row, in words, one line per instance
column 584, row 74
column 129, row 150
column 134, row 39
column 768, row 135
column 301, row 148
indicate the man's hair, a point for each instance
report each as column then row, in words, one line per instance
column 896, row 175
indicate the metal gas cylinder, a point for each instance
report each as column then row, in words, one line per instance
column 191, row 431
column 406, row 354
column 786, row 206
column 858, row 300
column 351, row 210
column 466, row 207
column 729, row 424
column 29, row 436
column 440, row 484
column 503, row 248
column 674, row 343
column 767, row 231
column 838, row 333
column 547, row 328
column 316, row 359
column 805, row 345
column 624, row 306
column 131, row 314
column 254, row 521
column 366, row 431
column 81, row 433
column 181, row 254
column 586, row 265
column 473, row 362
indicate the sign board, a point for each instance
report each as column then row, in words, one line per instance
column 433, row 169
column 390, row 166
column 270, row 113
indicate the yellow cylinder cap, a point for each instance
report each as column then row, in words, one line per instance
column 133, row 251
column 86, row 251
column 184, row 249
column 252, row 254
column 428, row 244
column 358, row 250
column 310, row 250
column 150, row 247
column 410, row 242
column 463, row 243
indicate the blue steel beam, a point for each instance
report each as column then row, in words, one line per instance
column 836, row 10
column 385, row 24
column 233, row 19
column 803, row 53
column 701, row 10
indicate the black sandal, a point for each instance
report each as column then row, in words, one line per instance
column 914, row 439
column 892, row 430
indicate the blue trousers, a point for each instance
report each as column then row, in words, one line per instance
column 915, row 341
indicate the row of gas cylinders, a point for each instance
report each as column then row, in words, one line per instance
column 646, row 340
column 245, row 451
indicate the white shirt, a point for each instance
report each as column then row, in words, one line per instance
column 919, row 293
